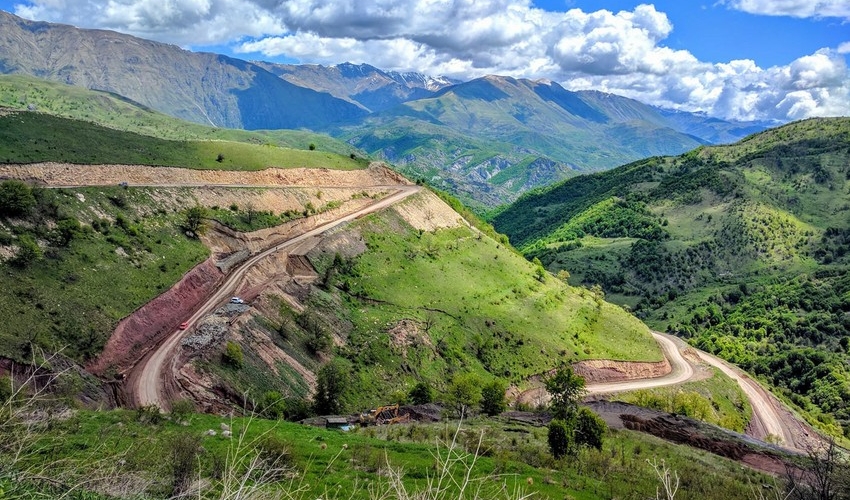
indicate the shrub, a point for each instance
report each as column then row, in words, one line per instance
column 560, row 438
column 421, row 394
column 272, row 405
column 232, row 355
column 181, row 409
column 589, row 429
column 493, row 397
column 16, row 198
column 28, row 251
column 184, row 454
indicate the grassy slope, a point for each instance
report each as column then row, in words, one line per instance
column 72, row 298
column 117, row 112
column 735, row 238
column 29, row 137
column 479, row 308
column 332, row 464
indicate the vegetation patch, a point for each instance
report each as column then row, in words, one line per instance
column 80, row 260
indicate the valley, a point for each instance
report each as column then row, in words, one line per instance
column 244, row 279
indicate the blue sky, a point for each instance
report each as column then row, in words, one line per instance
column 735, row 59
column 714, row 32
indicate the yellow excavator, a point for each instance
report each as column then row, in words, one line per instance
column 382, row 415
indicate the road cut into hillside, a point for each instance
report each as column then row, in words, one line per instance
column 152, row 380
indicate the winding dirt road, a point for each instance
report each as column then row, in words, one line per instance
column 148, row 381
column 769, row 419
column 681, row 371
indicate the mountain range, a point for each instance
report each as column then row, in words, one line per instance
column 487, row 140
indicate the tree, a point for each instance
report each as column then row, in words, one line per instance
column 196, row 219
column 566, row 389
column 16, row 198
column 493, row 397
column 464, row 393
column 421, row 393
column 589, row 429
column 312, row 146
column 560, row 438
column 332, row 382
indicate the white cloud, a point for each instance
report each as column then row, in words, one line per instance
column 619, row 52
column 182, row 22
column 794, row 8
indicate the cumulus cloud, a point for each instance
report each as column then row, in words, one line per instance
column 794, row 8
column 620, row 52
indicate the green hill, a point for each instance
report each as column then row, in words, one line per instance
column 180, row 142
column 744, row 249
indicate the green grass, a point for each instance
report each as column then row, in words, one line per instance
column 333, row 464
column 29, row 137
column 479, row 280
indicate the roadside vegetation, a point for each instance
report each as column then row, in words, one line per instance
column 70, row 453
column 717, row 400
column 77, row 261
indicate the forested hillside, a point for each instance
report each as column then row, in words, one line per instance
column 742, row 249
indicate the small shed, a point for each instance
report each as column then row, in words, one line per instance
column 337, row 422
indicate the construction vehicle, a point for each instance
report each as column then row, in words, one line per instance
column 384, row 415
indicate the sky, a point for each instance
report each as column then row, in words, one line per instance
column 776, row 60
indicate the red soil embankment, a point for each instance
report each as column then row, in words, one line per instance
column 143, row 330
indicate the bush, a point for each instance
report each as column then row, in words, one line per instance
column 16, row 198
column 232, row 355
column 272, row 405
column 421, row 394
column 560, row 438
column 493, row 397
column 181, row 409
column 184, row 454
column 28, row 251
column 589, row 429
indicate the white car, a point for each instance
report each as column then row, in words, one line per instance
column 236, row 300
